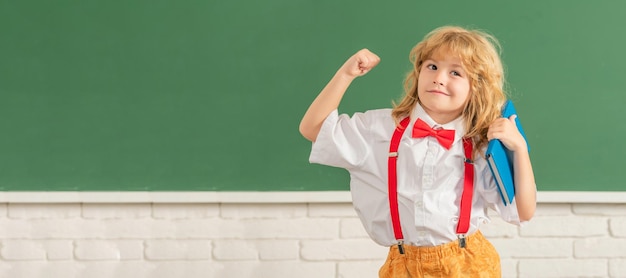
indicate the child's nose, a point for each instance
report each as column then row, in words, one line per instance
column 439, row 78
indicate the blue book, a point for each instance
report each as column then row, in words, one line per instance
column 499, row 159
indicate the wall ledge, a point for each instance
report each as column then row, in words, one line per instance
column 257, row 197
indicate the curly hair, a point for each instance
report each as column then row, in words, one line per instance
column 480, row 58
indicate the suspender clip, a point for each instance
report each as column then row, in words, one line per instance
column 401, row 246
column 462, row 242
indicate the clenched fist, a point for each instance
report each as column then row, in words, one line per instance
column 360, row 63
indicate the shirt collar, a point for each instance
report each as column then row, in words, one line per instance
column 456, row 124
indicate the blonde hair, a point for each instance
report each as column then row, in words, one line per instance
column 479, row 54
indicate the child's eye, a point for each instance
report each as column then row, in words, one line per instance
column 431, row 67
column 456, row 73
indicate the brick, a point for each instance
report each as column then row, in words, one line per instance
column 178, row 250
column 600, row 209
column 282, row 269
column 272, row 250
column 534, row 247
column 266, row 250
column 351, row 249
column 617, row 226
column 117, row 228
column 263, row 211
column 508, row 268
column 28, row 269
column 13, row 250
column 48, row 228
column 600, row 248
column 332, row 210
column 22, row 250
column 192, row 269
column 59, row 249
column 102, row 269
column 101, row 250
column 617, row 268
column 538, row 268
column 189, row 228
column 570, row 226
column 217, row 228
column 316, row 228
column 232, row 250
column 62, row 228
column 359, row 269
column 553, row 210
column 116, row 211
column 352, row 228
column 3, row 210
column 43, row 211
column 117, row 269
column 6, row 268
column 129, row 269
column 54, row 228
column 185, row 211
column 144, row 228
column 14, row 229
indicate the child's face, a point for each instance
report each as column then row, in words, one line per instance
column 443, row 87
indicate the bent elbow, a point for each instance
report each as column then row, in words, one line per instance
column 307, row 132
column 525, row 218
column 526, row 215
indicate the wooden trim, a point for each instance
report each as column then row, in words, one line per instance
column 258, row 197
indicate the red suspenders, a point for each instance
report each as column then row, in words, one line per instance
column 466, row 198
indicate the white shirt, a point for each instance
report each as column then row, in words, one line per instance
column 430, row 178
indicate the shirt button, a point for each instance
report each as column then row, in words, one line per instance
column 419, row 203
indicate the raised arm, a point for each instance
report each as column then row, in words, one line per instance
column 328, row 99
column 525, row 188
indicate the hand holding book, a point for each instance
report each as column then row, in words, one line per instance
column 507, row 131
column 499, row 157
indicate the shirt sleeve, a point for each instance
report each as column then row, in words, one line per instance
column 492, row 197
column 341, row 141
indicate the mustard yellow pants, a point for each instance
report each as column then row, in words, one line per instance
column 478, row 259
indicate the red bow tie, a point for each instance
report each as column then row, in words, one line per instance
column 444, row 136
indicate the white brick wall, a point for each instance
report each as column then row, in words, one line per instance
column 231, row 240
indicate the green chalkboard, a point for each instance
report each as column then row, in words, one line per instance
column 207, row 95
